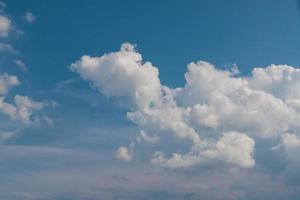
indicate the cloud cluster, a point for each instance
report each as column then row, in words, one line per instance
column 23, row 107
column 216, row 112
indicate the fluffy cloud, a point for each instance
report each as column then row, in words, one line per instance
column 145, row 137
column 7, row 82
column 289, row 144
column 216, row 113
column 23, row 107
column 126, row 74
column 125, row 153
column 235, row 149
column 5, row 26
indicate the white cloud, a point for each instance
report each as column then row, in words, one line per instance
column 214, row 105
column 236, row 149
column 5, row 26
column 8, row 108
column 23, row 107
column 238, row 105
column 145, row 137
column 204, row 115
column 290, row 140
column 29, row 17
column 125, row 153
column 7, row 82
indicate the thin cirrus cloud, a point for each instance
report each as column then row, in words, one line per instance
column 217, row 112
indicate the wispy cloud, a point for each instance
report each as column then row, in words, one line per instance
column 29, row 17
column 21, row 65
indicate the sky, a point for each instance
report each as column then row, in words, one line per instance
column 146, row 100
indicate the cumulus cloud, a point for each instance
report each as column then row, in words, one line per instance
column 126, row 74
column 289, row 144
column 216, row 112
column 289, row 140
column 5, row 26
column 23, row 107
column 125, row 153
column 145, row 137
column 235, row 149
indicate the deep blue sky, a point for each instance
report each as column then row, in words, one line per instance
column 170, row 34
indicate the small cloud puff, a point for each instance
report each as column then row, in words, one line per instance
column 29, row 17
column 23, row 107
column 125, row 153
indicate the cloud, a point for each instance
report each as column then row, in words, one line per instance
column 145, row 137
column 23, row 108
column 21, row 65
column 289, row 145
column 7, row 82
column 29, row 17
column 5, row 26
column 125, row 153
column 4, row 47
column 217, row 114
column 235, row 149
column 127, row 75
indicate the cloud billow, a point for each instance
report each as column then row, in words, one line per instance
column 219, row 113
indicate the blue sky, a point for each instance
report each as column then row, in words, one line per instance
column 149, row 99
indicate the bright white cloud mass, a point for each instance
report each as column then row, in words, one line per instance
column 216, row 113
